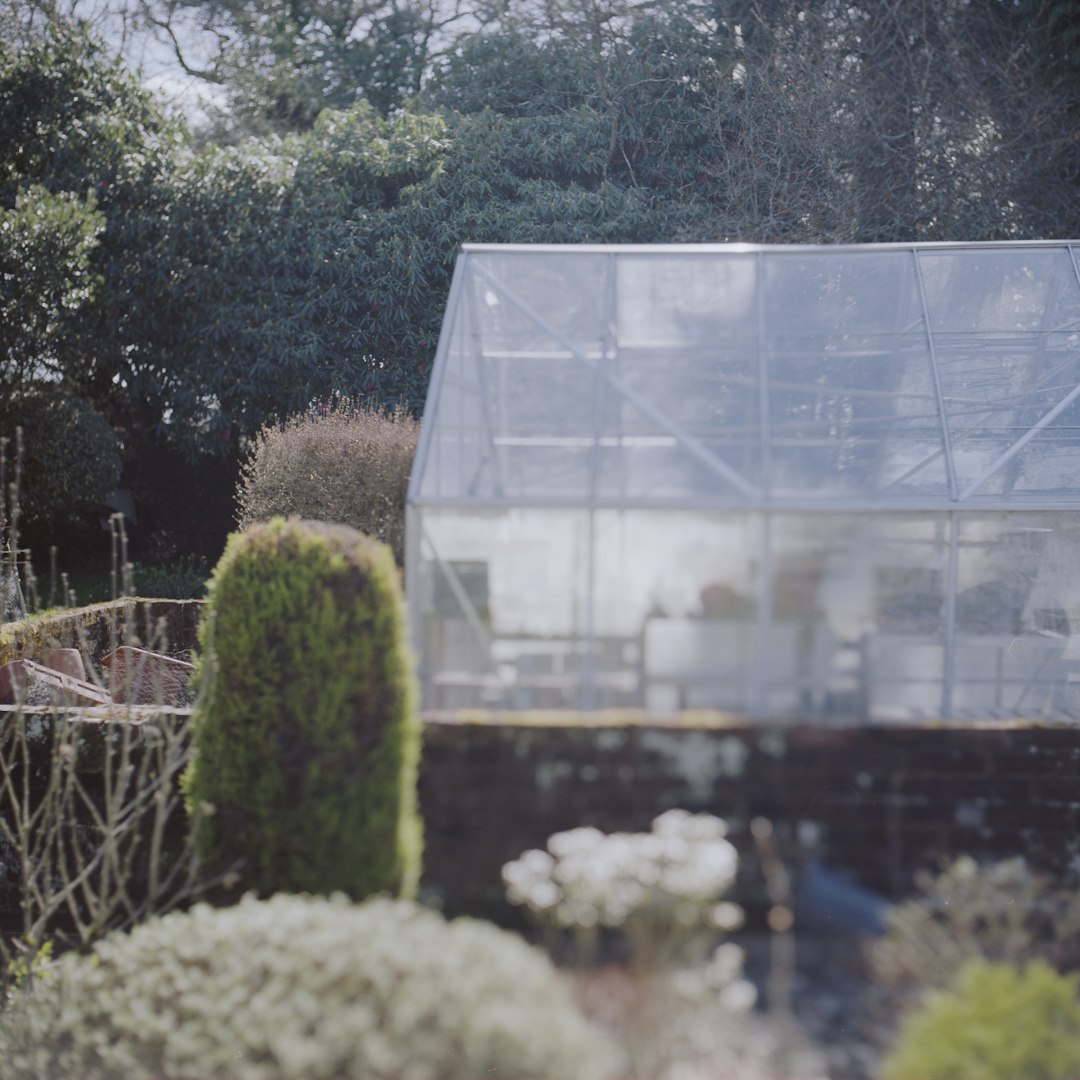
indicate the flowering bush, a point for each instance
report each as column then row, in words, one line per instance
column 681, row 1009
column 661, row 889
column 297, row 988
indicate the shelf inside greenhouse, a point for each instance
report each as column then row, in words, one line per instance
column 788, row 482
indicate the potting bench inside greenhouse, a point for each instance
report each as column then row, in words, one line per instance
column 781, row 481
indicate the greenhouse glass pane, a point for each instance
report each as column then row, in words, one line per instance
column 852, row 405
column 543, row 421
column 1017, row 651
column 667, row 301
column 499, row 606
column 539, row 303
column 1002, row 291
column 679, row 592
column 684, row 382
column 1006, row 328
column 516, row 414
column 858, row 615
column 458, row 457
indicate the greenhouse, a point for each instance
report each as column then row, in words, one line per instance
column 780, row 481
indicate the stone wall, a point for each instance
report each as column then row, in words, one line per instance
column 165, row 625
column 874, row 803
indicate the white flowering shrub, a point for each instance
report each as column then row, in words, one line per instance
column 662, row 889
column 297, row 988
column 680, row 1011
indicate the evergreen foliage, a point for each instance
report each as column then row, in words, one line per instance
column 71, row 118
column 71, row 456
column 205, row 291
column 307, row 736
column 46, row 277
column 296, row 988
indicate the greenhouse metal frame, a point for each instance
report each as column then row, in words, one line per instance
column 776, row 480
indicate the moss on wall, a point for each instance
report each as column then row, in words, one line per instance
column 98, row 628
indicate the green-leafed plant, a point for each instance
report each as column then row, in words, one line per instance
column 297, row 988
column 998, row 1023
column 46, row 242
column 347, row 464
column 71, row 456
column 307, row 735
column 1002, row 911
column 182, row 579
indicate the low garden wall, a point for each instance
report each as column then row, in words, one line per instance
column 872, row 803
column 98, row 628
column 875, row 804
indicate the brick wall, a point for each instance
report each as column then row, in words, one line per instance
column 875, row 803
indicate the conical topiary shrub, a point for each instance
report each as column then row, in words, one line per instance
column 306, row 732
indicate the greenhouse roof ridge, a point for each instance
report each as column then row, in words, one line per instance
column 735, row 247
column 938, row 375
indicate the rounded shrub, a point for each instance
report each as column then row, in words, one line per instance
column 307, row 737
column 71, row 456
column 348, row 465
column 998, row 1023
column 296, row 988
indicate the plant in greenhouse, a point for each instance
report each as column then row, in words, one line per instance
column 300, row 988
column 997, row 1023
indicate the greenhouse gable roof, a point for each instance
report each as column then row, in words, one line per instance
column 908, row 376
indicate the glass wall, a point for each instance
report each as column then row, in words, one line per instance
column 777, row 481
column 883, row 616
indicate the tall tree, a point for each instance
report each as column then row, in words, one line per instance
column 905, row 120
column 893, row 44
column 647, row 68
column 79, row 140
column 46, row 241
column 281, row 62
